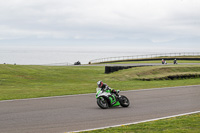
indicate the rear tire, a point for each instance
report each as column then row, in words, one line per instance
column 124, row 102
column 102, row 103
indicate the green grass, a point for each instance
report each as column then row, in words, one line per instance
column 182, row 124
column 158, row 72
column 24, row 81
column 39, row 81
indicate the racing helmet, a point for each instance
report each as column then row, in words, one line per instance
column 99, row 84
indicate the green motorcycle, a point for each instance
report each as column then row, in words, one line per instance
column 106, row 99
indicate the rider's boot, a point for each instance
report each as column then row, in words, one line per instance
column 117, row 95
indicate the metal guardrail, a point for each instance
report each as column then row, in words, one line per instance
column 124, row 58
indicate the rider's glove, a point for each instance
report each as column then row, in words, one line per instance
column 107, row 88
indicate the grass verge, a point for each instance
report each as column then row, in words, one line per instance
column 161, row 72
column 181, row 124
column 23, row 81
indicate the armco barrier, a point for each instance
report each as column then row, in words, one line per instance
column 111, row 69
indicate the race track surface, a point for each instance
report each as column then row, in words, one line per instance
column 79, row 112
column 137, row 64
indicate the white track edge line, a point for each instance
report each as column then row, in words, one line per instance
column 125, row 124
column 94, row 93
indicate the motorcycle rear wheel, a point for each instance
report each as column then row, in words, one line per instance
column 102, row 103
column 124, row 102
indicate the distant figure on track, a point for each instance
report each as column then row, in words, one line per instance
column 175, row 61
column 163, row 61
column 77, row 63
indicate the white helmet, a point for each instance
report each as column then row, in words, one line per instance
column 99, row 84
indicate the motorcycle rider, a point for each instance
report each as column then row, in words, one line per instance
column 175, row 61
column 105, row 87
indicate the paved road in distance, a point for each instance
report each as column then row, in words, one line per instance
column 138, row 64
column 79, row 112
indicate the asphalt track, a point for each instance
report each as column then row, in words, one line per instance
column 137, row 64
column 80, row 112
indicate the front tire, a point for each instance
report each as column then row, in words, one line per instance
column 102, row 103
column 124, row 102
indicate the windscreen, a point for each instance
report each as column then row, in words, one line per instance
column 98, row 89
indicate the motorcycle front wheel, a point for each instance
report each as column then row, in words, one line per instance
column 102, row 103
column 124, row 102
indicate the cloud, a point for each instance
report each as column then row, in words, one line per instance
column 101, row 20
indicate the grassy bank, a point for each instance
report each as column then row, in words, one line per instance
column 18, row 81
column 158, row 72
column 182, row 124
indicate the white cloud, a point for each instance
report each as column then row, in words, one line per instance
column 154, row 20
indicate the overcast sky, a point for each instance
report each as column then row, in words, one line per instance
column 134, row 23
